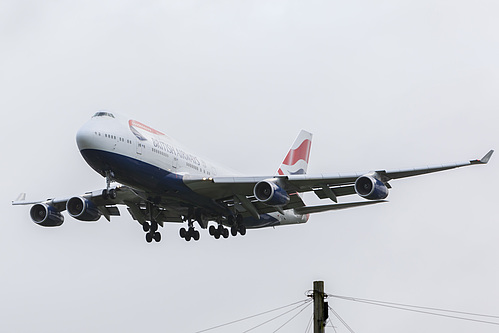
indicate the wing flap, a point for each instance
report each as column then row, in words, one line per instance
column 295, row 202
column 338, row 191
column 325, row 208
column 141, row 214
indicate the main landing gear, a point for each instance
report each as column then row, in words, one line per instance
column 220, row 231
column 190, row 233
column 237, row 228
column 236, row 224
column 151, row 231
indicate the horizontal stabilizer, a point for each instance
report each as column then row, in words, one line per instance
column 325, row 208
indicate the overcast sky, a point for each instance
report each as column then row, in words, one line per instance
column 382, row 85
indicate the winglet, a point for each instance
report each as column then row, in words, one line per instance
column 485, row 159
column 21, row 199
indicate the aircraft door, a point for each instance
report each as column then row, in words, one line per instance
column 174, row 163
column 140, row 147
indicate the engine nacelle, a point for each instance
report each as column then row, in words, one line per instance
column 371, row 188
column 82, row 209
column 268, row 192
column 46, row 215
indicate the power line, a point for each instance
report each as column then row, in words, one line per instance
column 292, row 317
column 256, row 315
column 282, row 314
column 332, row 325
column 341, row 319
column 309, row 325
column 413, row 308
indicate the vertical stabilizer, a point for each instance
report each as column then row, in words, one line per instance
column 296, row 161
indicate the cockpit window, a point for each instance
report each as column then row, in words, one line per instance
column 103, row 114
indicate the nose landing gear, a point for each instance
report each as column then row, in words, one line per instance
column 109, row 193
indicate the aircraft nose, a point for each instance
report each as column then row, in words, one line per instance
column 84, row 137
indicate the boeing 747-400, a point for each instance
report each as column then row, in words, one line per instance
column 160, row 181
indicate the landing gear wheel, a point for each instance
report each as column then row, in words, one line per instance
column 225, row 233
column 187, row 237
column 104, row 194
column 148, row 237
column 212, row 230
column 157, row 237
column 154, row 226
column 242, row 230
column 112, row 193
column 195, row 235
column 183, row 232
column 146, row 227
column 233, row 230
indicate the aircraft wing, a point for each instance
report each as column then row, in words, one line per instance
column 135, row 201
column 341, row 182
column 324, row 185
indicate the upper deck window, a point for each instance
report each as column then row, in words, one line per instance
column 103, row 114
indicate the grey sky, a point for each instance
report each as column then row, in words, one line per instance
column 385, row 84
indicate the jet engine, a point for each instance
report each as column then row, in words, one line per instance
column 371, row 188
column 83, row 209
column 46, row 215
column 268, row 192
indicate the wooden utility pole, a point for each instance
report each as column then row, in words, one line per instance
column 319, row 315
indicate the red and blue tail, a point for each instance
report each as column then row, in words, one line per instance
column 296, row 161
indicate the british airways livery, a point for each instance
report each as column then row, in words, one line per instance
column 160, row 181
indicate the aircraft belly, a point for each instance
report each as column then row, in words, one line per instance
column 146, row 177
column 265, row 220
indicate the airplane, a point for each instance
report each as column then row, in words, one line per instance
column 159, row 181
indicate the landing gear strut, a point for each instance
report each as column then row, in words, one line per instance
column 151, row 230
column 109, row 192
